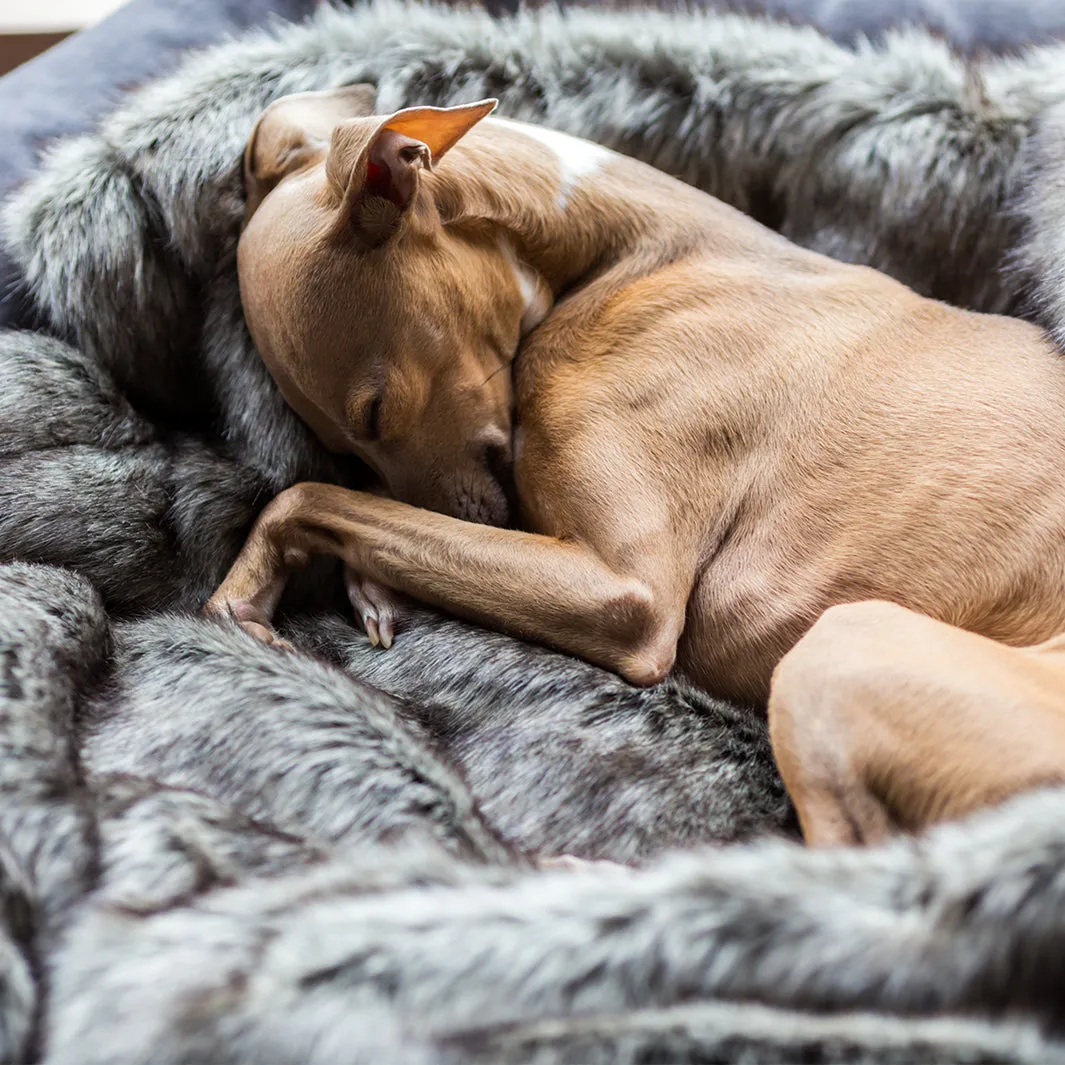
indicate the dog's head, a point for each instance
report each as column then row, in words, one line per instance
column 387, row 330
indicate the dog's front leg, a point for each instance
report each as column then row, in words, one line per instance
column 553, row 591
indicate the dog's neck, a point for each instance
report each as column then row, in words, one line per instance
column 567, row 208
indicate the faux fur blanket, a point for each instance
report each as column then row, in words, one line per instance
column 210, row 851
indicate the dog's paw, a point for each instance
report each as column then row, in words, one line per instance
column 251, row 619
column 378, row 608
column 266, row 634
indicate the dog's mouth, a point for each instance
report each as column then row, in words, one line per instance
column 483, row 492
column 490, row 503
column 488, row 495
column 483, row 512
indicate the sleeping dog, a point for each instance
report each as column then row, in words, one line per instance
column 619, row 417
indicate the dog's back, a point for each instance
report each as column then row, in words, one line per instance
column 840, row 437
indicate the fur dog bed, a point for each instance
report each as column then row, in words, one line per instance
column 211, row 851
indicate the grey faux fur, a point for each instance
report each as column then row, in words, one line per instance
column 213, row 851
column 563, row 758
column 206, row 935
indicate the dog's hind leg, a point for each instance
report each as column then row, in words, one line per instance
column 884, row 720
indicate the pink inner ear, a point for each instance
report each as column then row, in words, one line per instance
column 379, row 181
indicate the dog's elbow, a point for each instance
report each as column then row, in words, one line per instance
column 646, row 668
column 645, row 635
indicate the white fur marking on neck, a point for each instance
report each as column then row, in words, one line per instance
column 576, row 158
column 535, row 292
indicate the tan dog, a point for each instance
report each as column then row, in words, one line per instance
column 714, row 435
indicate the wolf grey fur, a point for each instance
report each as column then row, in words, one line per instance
column 161, row 846
column 195, row 704
column 53, row 638
column 1041, row 255
column 238, row 855
column 341, row 963
column 564, row 757
column 152, row 518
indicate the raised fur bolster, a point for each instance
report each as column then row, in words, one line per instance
column 344, row 962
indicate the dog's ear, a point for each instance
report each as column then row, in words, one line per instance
column 377, row 180
column 296, row 130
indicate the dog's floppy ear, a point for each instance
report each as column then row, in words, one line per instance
column 377, row 180
column 294, row 131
